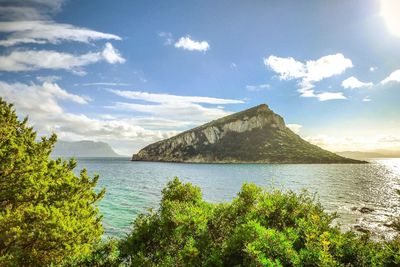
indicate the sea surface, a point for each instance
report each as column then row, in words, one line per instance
column 134, row 187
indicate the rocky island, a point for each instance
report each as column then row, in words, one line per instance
column 255, row 135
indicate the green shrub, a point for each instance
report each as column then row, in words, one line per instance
column 47, row 213
column 105, row 253
column 257, row 228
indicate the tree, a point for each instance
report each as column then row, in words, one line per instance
column 257, row 228
column 47, row 213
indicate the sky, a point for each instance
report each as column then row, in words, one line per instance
column 130, row 73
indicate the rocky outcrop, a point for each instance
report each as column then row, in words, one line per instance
column 254, row 135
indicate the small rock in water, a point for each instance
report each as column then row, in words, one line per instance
column 366, row 210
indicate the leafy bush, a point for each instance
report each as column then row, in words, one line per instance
column 47, row 213
column 105, row 253
column 257, row 228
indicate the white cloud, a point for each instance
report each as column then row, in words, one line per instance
column 123, row 130
column 41, row 32
column 102, row 83
column 18, row 13
column 294, row 127
column 310, row 72
column 257, row 88
column 41, row 103
column 167, row 36
column 393, row 77
column 372, row 68
column 191, row 45
column 180, row 108
column 37, row 99
column 356, row 143
column 189, row 112
column 111, row 55
column 287, row 68
column 173, row 99
column 49, row 79
column 28, row 60
column 325, row 96
column 366, row 99
column 353, row 83
column 326, row 67
column 29, row 21
column 29, row 9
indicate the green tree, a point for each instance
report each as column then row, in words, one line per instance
column 257, row 228
column 47, row 213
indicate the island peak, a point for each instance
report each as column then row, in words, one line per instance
column 255, row 135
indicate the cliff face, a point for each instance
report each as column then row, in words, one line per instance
column 254, row 135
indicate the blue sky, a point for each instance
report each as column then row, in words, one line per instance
column 133, row 72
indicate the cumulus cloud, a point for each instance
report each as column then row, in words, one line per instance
column 37, row 98
column 257, row 88
column 310, row 72
column 353, row 83
column 287, row 68
column 393, row 77
column 294, row 127
column 188, row 44
column 42, row 103
column 29, row 60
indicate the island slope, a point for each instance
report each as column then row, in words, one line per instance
column 255, row 135
column 83, row 148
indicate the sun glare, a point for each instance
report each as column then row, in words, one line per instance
column 390, row 11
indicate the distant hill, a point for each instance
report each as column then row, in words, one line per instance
column 370, row 154
column 83, row 149
column 256, row 135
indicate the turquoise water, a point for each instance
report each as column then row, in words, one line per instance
column 134, row 187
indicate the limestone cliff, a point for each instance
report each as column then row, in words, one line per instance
column 256, row 135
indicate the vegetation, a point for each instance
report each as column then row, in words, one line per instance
column 47, row 213
column 48, row 217
column 257, row 228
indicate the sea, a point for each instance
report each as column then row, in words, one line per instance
column 364, row 196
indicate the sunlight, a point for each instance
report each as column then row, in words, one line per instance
column 390, row 11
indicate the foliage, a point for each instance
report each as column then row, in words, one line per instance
column 105, row 253
column 257, row 228
column 47, row 213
